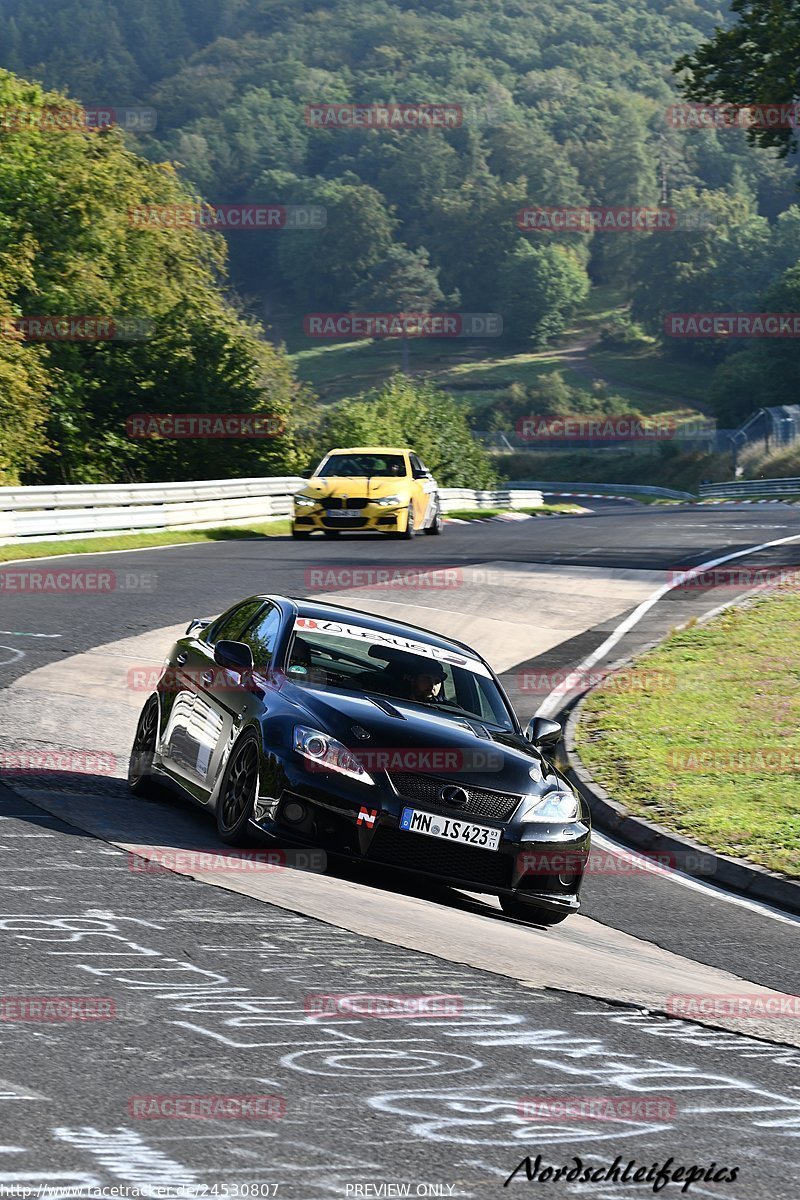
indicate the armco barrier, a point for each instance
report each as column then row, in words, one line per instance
column 602, row 489
column 744, row 488
column 35, row 512
column 106, row 508
column 510, row 496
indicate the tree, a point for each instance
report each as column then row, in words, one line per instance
column 413, row 413
column 323, row 267
column 540, row 287
column 69, row 247
column 754, row 62
column 402, row 282
column 763, row 373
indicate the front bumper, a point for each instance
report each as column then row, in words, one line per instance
column 542, row 864
column 375, row 518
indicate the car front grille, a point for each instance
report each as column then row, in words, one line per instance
column 340, row 502
column 335, row 522
column 417, row 852
column 481, row 803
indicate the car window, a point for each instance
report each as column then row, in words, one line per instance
column 262, row 635
column 364, row 466
column 344, row 660
column 232, row 623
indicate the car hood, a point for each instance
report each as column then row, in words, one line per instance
column 354, row 485
column 404, row 737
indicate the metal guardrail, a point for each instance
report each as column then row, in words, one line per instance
column 31, row 512
column 509, row 496
column 108, row 508
column 752, row 487
column 119, row 494
column 603, row 489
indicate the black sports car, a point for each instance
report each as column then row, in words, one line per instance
column 315, row 725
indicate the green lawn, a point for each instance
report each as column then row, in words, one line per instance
column 729, row 689
column 655, row 372
column 477, row 371
column 135, row 541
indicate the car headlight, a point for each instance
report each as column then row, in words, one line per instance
column 304, row 501
column 556, row 806
column 327, row 754
column 385, row 501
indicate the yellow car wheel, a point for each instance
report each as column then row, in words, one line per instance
column 409, row 530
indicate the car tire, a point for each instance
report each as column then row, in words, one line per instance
column 298, row 536
column 409, row 530
column 530, row 913
column 435, row 526
column 237, row 793
column 142, row 780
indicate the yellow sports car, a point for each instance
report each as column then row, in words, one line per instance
column 383, row 489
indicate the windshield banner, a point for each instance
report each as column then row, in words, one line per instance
column 360, row 633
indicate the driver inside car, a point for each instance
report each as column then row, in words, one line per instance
column 425, row 685
column 407, row 678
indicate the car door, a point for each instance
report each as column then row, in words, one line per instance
column 194, row 720
column 424, row 491
column 235, row 701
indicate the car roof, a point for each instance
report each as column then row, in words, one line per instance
column 338, row 612
column 370, row 450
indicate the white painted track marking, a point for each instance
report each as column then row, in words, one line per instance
column 16, row 633
column 555, row 699
column 695, row 885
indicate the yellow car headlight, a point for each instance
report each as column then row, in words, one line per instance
column 386, row 501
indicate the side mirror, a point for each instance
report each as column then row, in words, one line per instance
column 236, row 656
column 306, row 474
column 196, row 626
column 544, row 734
column 421, row 475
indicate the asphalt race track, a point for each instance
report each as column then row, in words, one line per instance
column 205, row 975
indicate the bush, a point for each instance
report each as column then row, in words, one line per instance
column 407, row 412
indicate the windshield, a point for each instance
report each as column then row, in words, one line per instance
column 355, row 658
column 386, row 465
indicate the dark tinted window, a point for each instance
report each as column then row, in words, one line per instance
column 261, row 636
column 230, row 625
column 360, row 465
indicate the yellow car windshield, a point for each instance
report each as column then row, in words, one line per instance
column 367, row 465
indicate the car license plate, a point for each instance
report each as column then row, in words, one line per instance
column 343, row 512
column 482, row 836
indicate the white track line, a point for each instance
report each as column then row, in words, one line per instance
column 554, row 701
column 16, row 633
column 647, row 864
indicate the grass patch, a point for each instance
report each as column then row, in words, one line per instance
column 736, row 702
column 136, row 541
column 685, row 383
